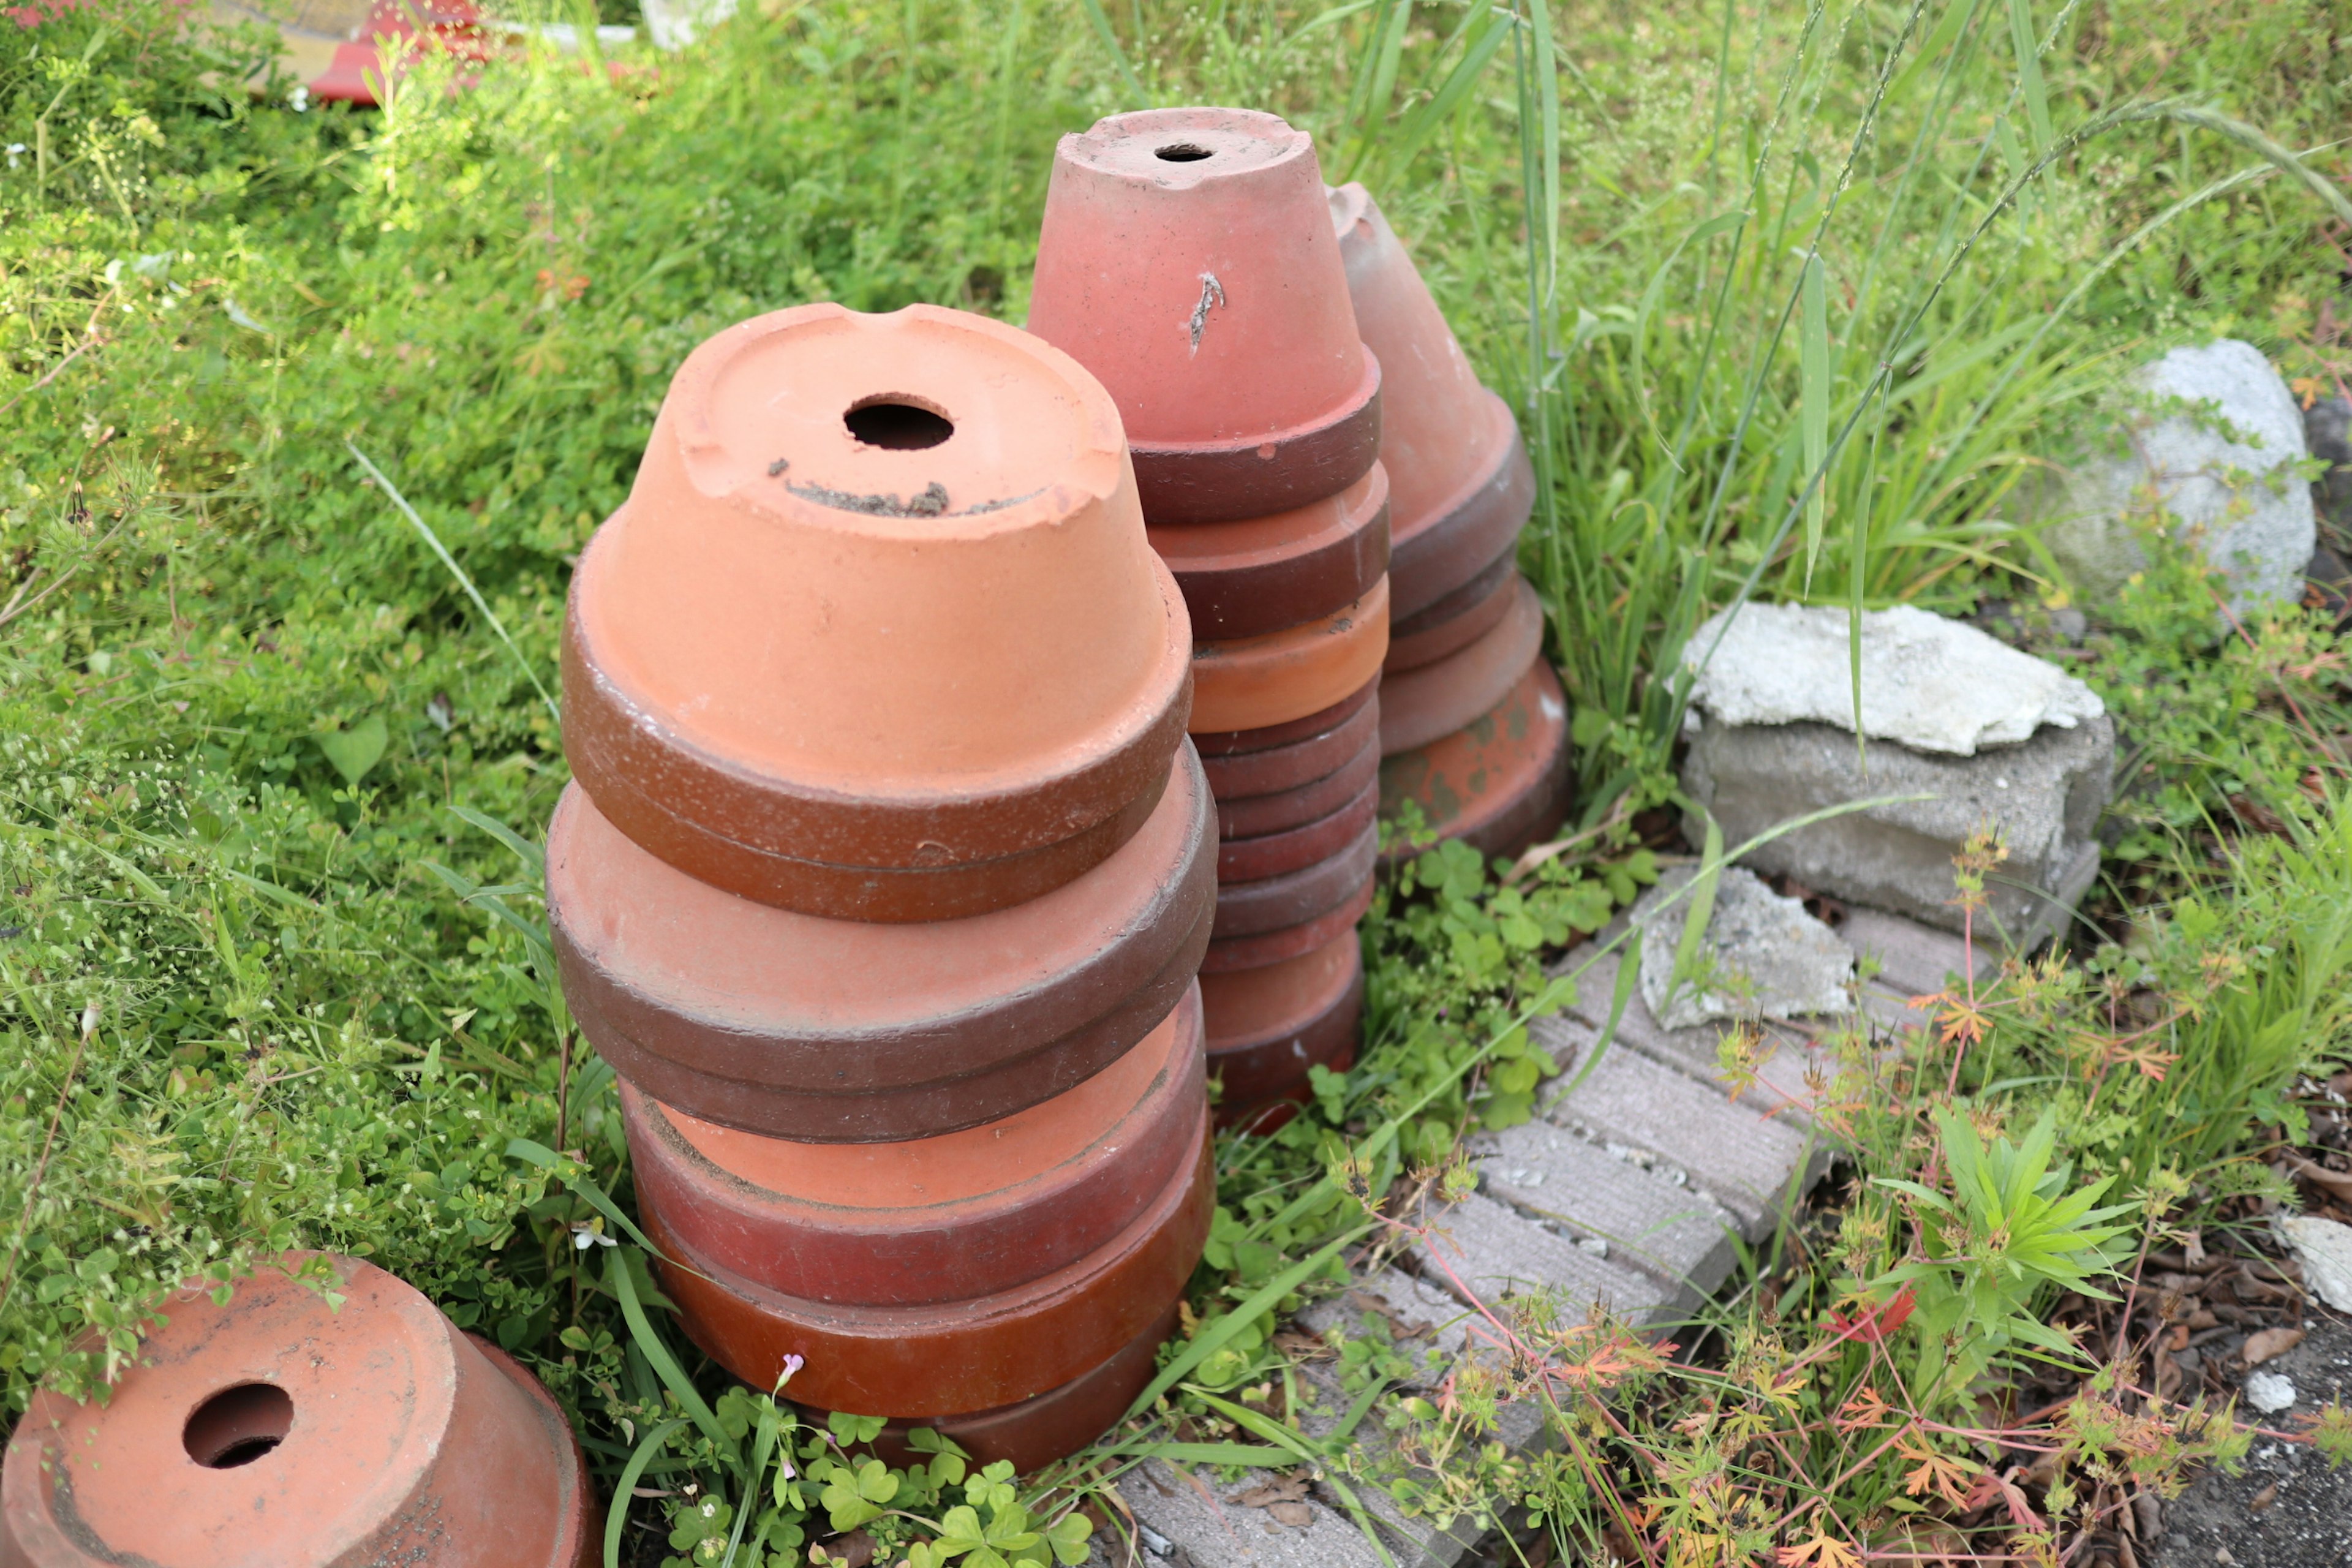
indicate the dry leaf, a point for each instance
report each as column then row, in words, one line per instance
column 2269, row 1344
column 2263, row 1499
column 2192, row 1247
column 1265, row 1494
column 1297, row 1515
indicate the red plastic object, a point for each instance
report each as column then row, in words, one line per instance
column 835, row 1031
column 1260, row 574
column 1257, row 815
column 1499, row 783
column 1272, row 903
column 1236, row 743
column 877, row 634
column 1419, row 706
column 1256, row 682
column 1461, row 486
column 966, row 1213
column 953, row 1356
column 1272, row 947
column 1187, row 258
column 1275, row 854
column 356, row 73
column 1276, row 768
column 1271, row 1025
column 1454, row 621
column 281, row 1429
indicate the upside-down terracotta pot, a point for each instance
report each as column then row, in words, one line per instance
column 1258, row 816
column 1419, row 706
column 1461, row 487
column 281, row 1429
column 931, row 1219
column 945, row 1358
column 1296, row 849
column 1237, row 953
column 1240, row 742
column 1276, row 768
column 1046, row 1426
column 1498, row 784
column 1188, row 258
column 1260, row 574
column 877, row 634
column 1252, row 683
column 1272, row 903
column 839, row 1031
column 1454, row 621
column 1271, row 1025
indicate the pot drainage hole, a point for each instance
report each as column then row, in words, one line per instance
column 238, row 1426
column 900, row 425
column 1180, row 152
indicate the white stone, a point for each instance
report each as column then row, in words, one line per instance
column 676, row 24
column 2258, row 534
column 1762, row 956
column 1929, row 683
column 2323, row 1247
column 2269, row 1393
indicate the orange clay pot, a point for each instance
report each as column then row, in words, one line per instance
column 965, row 1214
column 1272, row 947
column 1046, row 1426
column 1260, row 574
column 1188, row 258
column 1454, row 621
column 279, row 1429
column 1272, row 1024
column 1258, row 816
column 1421, row 705
column 1272, row 903
column 1240, row 742
column 948, row 1357
column 1296, row 849
column 1283, row 767
column 1256, row 682
column 1499, row 783
column 877, row 634
column 835, row 1031
column 1461, row 486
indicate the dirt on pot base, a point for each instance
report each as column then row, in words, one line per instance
column 2289, row 1509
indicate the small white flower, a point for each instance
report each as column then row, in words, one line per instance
column 591, row 1234
column 299, row 100
column 16, row 153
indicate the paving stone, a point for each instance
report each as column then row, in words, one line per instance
column 1657, row 1221
column 1694, row 1051
column 1762, row 956
column 1415, row 1542
column 1496, row 1255
column 1914, row 960
column 1417, row 1313
column 1184, row 1529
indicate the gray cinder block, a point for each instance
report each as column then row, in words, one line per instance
column 1657, row 1221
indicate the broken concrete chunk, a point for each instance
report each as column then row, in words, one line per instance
column 1654, row 1219
column 2323, row 1247
column 1927, row 682
column 1762, row 956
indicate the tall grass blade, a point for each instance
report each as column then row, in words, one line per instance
column 2029, row 73
column 1547, row 85
column 617, row 1517
column 1814, row 396
column 1101, row 20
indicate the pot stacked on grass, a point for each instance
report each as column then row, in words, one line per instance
column 287, row 1425
column 1188, row 259
column 887, row 870
column 1473, row 721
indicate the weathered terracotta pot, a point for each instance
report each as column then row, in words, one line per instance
column 1249, row 909
column 1260, row 574
column 1275, row 1023
column 1454, row 621
column 1421, row 705
column 1254, row 682
column 1272, row 947
column 1188, row 258
column 1499, row 783
column 1050, row 1426
column 943, row 1358
column 877, row 634
column 1257, row 815
column 1236, row 743
column 934, row 1219
column 1278, row 768
column 1470, row 487
column 1294, row 849
column 279, row 1429
column 837, row 1031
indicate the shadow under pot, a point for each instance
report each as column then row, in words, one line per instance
column 946, row 1358
column 1252, row 683
column 929, row 1219
column 1270, row 1027
column 1498, row 784
column 1260, row 574
column 280, row 1428
column 1419, row 706
column 877, row 634
column 1187, row 258
column 837, row 1031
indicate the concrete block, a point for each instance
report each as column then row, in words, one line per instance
column 1484, row 1252
column 1657, row 1221
column 1761, row 956
column 1696, row 1051
column 1914, row 960
column 1188, row 1521
column 1418, row 1314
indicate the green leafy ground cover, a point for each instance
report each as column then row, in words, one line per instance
column 1800, row 295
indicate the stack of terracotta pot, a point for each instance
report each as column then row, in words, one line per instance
column 287, row 1425
column 887, row 870
column 1473, row 721
column 1188, row 259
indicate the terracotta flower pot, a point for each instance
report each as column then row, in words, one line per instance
column 1249, row 909
column 1499, row 783
column 1238, row 743
column 948, row 1357
column 1275, row 1023
column 837, row 1031
column 1050, row 1426
column 280, row 1429
column 1296, row 849
column 934, row 1219
column 1278, row 768
column 1258, row 816
column 1187, row 258
column 1272, row 947
column 1470, row 487
column 877, row 634
column 1260, row 574
column 1256, row 682
column 1454, row 621
column 1421, row 705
